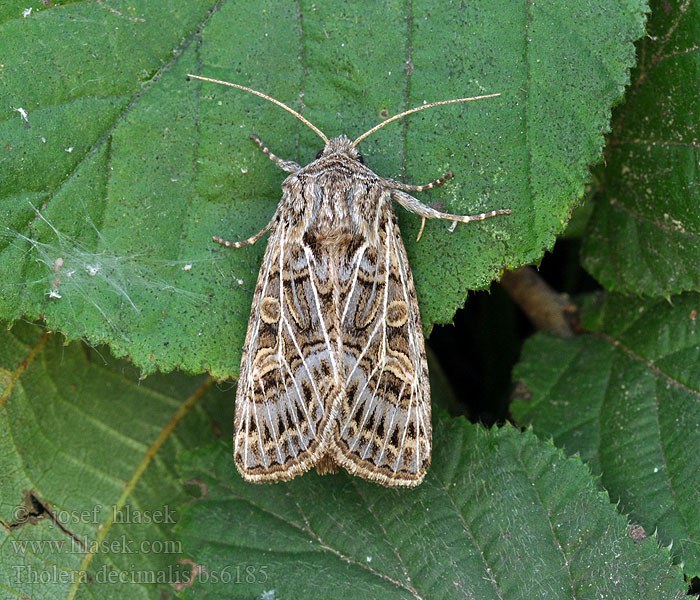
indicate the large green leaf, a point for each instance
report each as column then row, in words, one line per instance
column 500, row 515
column 87, row 456
column 644, row 233
column 116, row 171
column 626, row 397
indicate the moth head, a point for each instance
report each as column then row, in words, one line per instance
column 341, row 145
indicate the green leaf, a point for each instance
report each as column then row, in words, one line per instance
column 87, row 455
column 500, row 515
column 626, row 397
column 122, row 170
column 643, row 235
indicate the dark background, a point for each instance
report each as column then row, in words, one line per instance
column 478, row 352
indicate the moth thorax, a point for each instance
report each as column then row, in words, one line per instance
column 336, row 234
column 331, row 224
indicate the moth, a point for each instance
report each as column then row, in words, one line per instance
column 334, row 371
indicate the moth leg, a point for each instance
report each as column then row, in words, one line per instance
column 424, row 211
column 422, row 227
column 397, row 185
column 251, row 240
column 286, row 165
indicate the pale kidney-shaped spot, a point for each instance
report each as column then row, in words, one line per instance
column 270, row 309
column 396, row 313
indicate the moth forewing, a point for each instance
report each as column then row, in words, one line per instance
column 384, row 429
column 334, row 371
column 281, row 405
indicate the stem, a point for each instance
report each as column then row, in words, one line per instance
column 546, row 309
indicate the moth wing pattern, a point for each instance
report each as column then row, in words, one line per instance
column 288, row 373
column 384, row 429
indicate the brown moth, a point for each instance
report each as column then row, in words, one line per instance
column 334, row 370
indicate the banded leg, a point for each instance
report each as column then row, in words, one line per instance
column 425, row 212
column 251, row 240
column 286, row 165
column 397, row 185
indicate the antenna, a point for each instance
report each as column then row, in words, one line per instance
column 418, row 108
column 277, row 102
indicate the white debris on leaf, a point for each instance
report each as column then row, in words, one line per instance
column 74, row 271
